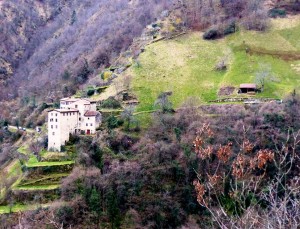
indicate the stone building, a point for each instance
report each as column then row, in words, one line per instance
column 75, row 116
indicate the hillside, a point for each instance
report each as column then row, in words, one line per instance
column 42, row 40
column 178, row 146
column 186, row 65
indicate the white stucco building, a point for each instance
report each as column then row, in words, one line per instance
column 74, row 116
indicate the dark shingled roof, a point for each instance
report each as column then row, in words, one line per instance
column 248, row 85
column 91, row 113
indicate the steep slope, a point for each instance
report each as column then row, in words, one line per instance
column 40, row 40
column 186, row 65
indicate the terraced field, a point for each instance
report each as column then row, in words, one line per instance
column 21, row 207
column 32, row 164
column 34, row 176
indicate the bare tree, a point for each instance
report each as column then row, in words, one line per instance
column 127, row 116
column 263, row 75
column 163, row 103
column 36, row 147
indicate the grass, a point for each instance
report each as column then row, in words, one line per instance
column 20, row 208
column 53, row 178
column 12, row 172
column 37, row 187
column 23, row 150
column 31, row 164
column 48, row 156
column 186, row 64
column 292, row 36
column 2, row 193
column 14, row 169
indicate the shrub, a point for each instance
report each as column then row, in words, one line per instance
column 112, row 122
column 65, row 214
column 211, row 34
column 63, row 148
column 231, row 28
column 90, row 92
column 111, row 103
column 73, row 139
column 221, row 65
column 43, row 106
column 83, row 73
column 101, row 89
column 274, row 13
column 106, row 75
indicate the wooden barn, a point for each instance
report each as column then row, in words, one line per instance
column 248, row 88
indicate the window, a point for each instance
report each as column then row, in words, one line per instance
column 79, row 119
column 56, row 126
column 91, row 124
column 56, row 114
column 53, row 133
column 51, row 114
column 88, row 118
column 51, row 126
column 87, row 124
column 63, row 114
column 55, row 120
column 76, row 106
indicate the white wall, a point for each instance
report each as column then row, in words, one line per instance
column 89, row 124
column 60, row 125
column 53, row 131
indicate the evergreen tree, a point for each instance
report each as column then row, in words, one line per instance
column 97, row 155
column 95, row 203
column 113, row 210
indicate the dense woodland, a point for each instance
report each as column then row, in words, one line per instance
column 214, row 166
column 42, row 40
column 228, row 166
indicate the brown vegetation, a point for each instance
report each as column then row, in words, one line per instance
column 231, row 169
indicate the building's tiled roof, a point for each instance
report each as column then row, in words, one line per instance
column 91, row 113
column 64, row 110
column 69, row 99
column 248, row 85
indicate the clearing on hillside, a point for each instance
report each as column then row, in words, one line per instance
column 186, row 65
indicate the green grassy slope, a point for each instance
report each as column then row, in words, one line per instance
column 20, row 208
column 185, row 65
column 46, row 163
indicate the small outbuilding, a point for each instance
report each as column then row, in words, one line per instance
column 248, row 87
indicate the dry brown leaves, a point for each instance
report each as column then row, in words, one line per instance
column 200, row 190
column 224, row 152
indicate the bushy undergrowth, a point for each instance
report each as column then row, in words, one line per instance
column 152, row 176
